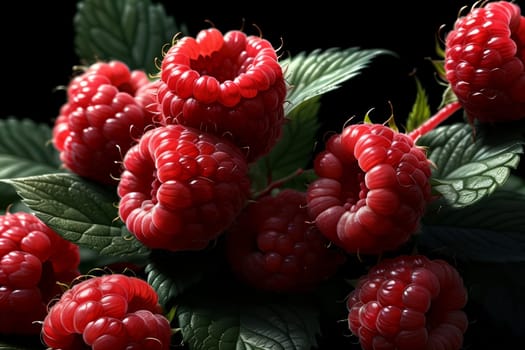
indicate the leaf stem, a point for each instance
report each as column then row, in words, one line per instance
column 430, row 124
column 278, row 183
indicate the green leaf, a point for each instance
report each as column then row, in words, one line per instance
column 301, row 181
column 490, row 230
column 25, row 149
column 172, row 273
column 245, row 322
column 310, row 75
column 14, row 203
column 448, row 97
column 473, row 244
column 470, row 164
column 499, row 212
column 91, row 262
column 293, row 151
column 80, row 211
column 320, row 71
column 132, row 31
column 420, row 110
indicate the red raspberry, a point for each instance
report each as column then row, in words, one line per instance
column 100, row 120
column 484, row 62
column 107, row 312
column 146, row 97
column 409, row 303
column 372, row 188
column 181, row 187
column 274, row 246
column 33, row 261
column 231, row 85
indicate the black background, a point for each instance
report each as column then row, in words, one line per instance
column 38, row 55
column 38, row 51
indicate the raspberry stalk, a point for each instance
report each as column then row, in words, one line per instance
column 438, row 118
column 277, row 184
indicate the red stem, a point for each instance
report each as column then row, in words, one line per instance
column 441, row 115
column 278, row 183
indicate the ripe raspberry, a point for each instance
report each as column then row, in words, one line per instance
column 230, row 85
column 484, row 62
column 181, row 187
column 33, row 261
column 409, row 303
column 146, row 97
column 107, row 312
column 100, row 120
column 274, row 246
column 372, row 188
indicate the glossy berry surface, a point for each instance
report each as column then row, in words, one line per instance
column 372, row 188
column 273, row 245
column 484, row 62
column 231, row 85
column 100, row 120
column 181, row 187
column 107, row 312
column 34, row 260
column 146, row 97
column 409, row 303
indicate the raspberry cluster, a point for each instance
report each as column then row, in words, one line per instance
column 179, row 147
column 217, row 105
column 107, row 312
column 34, row 261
